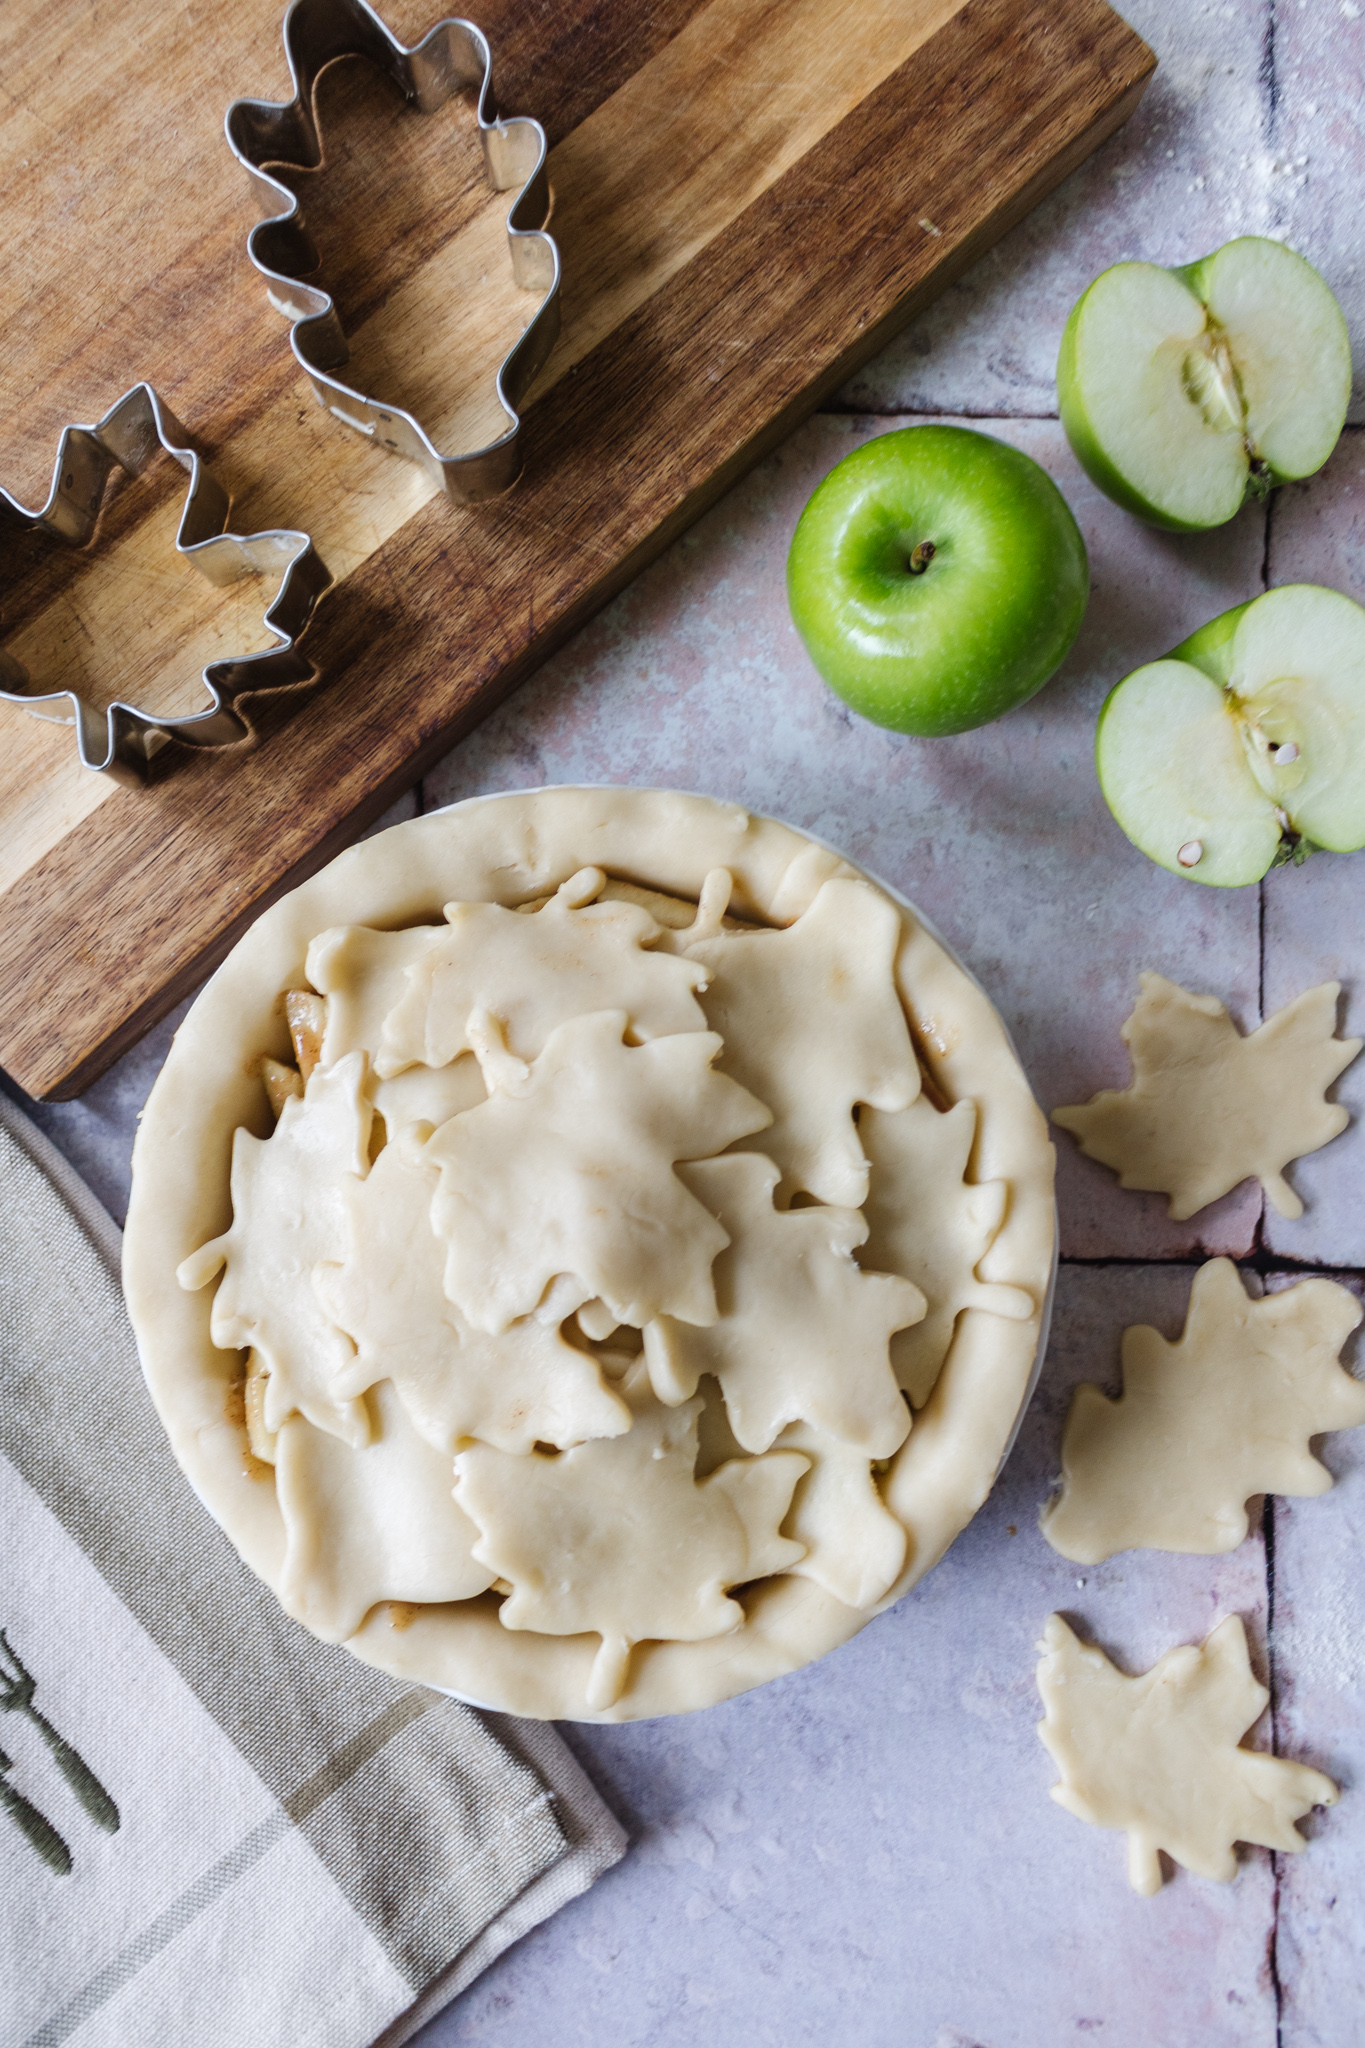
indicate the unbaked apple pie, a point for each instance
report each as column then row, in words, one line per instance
column 590, row 1250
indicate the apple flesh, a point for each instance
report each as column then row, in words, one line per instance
column 937, row 578
column 1184, row 391
column 1246, row 744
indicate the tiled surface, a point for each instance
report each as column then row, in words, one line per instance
column 865, row 1852
column 1251, row 126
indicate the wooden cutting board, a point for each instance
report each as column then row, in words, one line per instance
column 750, row 197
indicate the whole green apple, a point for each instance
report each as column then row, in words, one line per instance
column 1245, row 746
column 1183, row 392
column 937, row 578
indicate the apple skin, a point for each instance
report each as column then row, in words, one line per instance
column 1085, row 445
column 981, row 628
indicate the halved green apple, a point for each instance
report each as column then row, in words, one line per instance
column 1245, row 746
column 1183, row 391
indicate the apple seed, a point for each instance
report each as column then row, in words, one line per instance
column 1191, row 853
column 1283, row 755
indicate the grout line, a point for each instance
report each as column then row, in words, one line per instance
column 1259, row 1246
column 1272, row 1947
column 1266, row 1264
column 914, row 412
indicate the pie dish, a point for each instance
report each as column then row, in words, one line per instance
column 646, row 1272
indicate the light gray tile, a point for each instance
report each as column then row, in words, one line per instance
column 1316, row 141
column 1319, row 1654
column 1194, row 167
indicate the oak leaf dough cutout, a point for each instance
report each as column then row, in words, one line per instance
column 927, row 1221
column 792, row 1301
column 361, row 1526
column 1207, row 1108
column 514, row 1390
column 620, row 1539
column 1204, row 1424
column 1158, row 1755
column 812, row 1025
column 567, row 1168
column 288, row 1217
column 535, row 971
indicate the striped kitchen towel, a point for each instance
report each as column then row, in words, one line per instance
column 214, row 1830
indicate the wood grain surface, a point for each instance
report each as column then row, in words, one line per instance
column 750, row 196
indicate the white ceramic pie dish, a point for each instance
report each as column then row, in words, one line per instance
column 513, row 848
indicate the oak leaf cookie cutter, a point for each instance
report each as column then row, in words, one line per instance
column 123, row 741
column 452, row 57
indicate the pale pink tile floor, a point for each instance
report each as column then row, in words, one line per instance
column 865, row 1853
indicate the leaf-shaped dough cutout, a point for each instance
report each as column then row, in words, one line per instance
column 927, row 1221
column 1158, row 1754
column 803, row 1333
column 361, row 1526
column 855, row 1547
column 363, row 975
column 621, row 1539
column 812, row 1025
column 535, row 972
column 522, row 1387
column 1206, row 1423
column 1206, row 1108
column 289, row 1216
column 568, row 1168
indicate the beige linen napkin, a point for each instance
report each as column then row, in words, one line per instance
column 214, row 1830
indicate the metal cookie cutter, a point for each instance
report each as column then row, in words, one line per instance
column 123, row 741
column 452, row 57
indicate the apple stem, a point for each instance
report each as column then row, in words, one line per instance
column 921, row 555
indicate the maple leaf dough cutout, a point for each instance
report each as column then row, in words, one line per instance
column 361, row 1526
column 803, row 1333
column 1157, row 1755
column 568, row 959
column 362, row 973
column 568, row 1169
column 620, row 1539
column 523, row 1387
column 927, row 1221
column 855, row 1547
column 289, row 1216
column 1207, row 1108
column 812, row 1025
column 1206, row 1423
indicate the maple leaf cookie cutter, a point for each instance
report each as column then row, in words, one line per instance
column 452, row 57
column 123, row 741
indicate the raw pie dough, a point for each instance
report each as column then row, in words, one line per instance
column 1157, row 1755
column 540, row 1234
column 1204, row 1424
column 1207, row 1108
